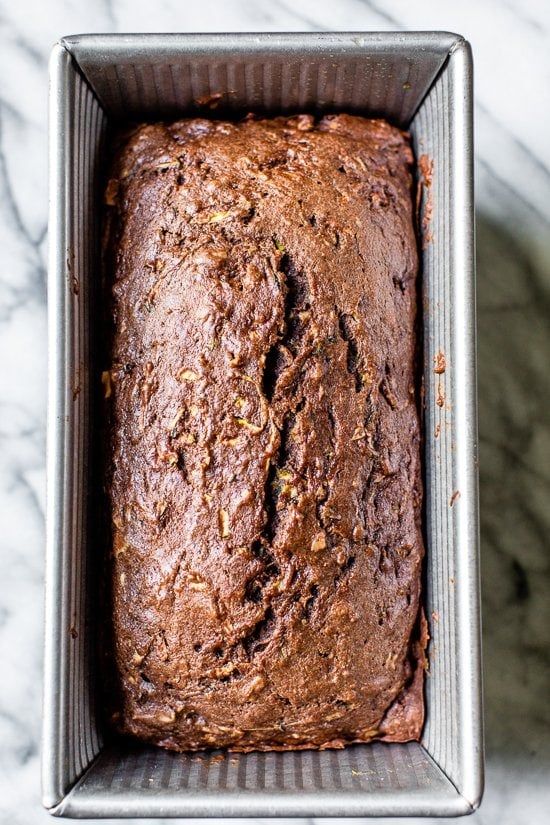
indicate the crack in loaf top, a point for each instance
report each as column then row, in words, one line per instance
column 263, row 472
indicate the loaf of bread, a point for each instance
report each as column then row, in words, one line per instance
column 263, row 447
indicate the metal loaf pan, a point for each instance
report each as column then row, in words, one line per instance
column 422, row 81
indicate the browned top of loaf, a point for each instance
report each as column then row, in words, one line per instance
column 264, row 474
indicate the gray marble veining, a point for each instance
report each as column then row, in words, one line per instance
column 511, row 40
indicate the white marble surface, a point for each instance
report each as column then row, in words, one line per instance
column 511, row 41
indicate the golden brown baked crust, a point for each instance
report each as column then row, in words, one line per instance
column 264, row 463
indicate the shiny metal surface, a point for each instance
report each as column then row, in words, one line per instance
column 420, row 80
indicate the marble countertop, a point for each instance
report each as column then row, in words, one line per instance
column 511, row 42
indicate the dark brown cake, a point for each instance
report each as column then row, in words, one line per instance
column 264, row 461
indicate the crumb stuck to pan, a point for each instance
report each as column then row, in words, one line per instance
column 425, row 167
column 440, row 363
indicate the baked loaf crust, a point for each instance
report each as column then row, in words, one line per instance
column 263, row 464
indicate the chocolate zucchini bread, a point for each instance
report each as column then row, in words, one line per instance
column 263, row 447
